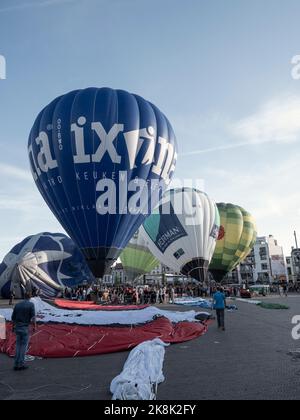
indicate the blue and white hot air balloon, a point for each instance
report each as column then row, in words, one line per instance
column 100, row 158
column 50, row 262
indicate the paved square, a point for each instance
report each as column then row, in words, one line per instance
column 249, row 361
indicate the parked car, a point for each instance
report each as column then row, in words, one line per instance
column 245, row 294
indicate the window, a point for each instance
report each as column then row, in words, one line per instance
column 264, row 267
column 263, row 277
column 263, row 253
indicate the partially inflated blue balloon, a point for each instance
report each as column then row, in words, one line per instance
column 101, row 158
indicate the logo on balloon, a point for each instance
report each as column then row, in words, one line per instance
column 221, row 233
column 166, row 231
column 139, row 147
column 215, row 232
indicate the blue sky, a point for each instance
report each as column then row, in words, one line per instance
column 219, row 69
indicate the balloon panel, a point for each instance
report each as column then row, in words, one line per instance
column 137, row 258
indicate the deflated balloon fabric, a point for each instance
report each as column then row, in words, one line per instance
column 74, row 333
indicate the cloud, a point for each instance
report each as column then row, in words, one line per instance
column 22, row 209
column 22, row 203
column 11, row 171
column 23, row 216
column 23, row 6
column 270, row 194
column 277, row 121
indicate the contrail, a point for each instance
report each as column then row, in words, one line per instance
column 24, row 6
column 227, row 147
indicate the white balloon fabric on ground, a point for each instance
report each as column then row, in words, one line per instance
column 142, row 373
column 47, row 313
column 191, row 301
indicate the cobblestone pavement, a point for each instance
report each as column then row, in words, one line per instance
column 249, row 361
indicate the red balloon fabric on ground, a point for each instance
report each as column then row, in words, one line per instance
column 91, row 306
column 65, row 340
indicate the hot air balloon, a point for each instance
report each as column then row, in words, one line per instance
column 50, row 262
column 182, row 232
column 137, row 258
column 236, row 239
column 99, row 158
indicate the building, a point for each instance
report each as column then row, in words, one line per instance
column 262, row 270
column 269, row 261
column 266, row 264
column 295, row 264
column 115, row 277
column 246, row 270
column 290, row 269
column 278, row 263
column 163, row 269
column 244, row 273
column 119, row 275
column 163, row 274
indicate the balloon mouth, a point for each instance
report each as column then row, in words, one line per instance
column 218, row 275
column 197, row 269
column 100, row 267
column 100, row 260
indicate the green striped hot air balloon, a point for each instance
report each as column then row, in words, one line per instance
column 235, row 242
column 136, row 258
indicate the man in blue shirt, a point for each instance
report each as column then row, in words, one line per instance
column 219, row 306
column 23, row 315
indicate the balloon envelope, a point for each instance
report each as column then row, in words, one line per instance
column 93, row 154
column 182, row 232
column 137, row 259
column 49, row 262
column 235, row 242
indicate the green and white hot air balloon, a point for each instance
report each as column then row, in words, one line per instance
column 137, row 259
column 236, row 239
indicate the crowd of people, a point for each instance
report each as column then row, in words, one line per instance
column 136, row 295
column 153, row 294
column 156, row 294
